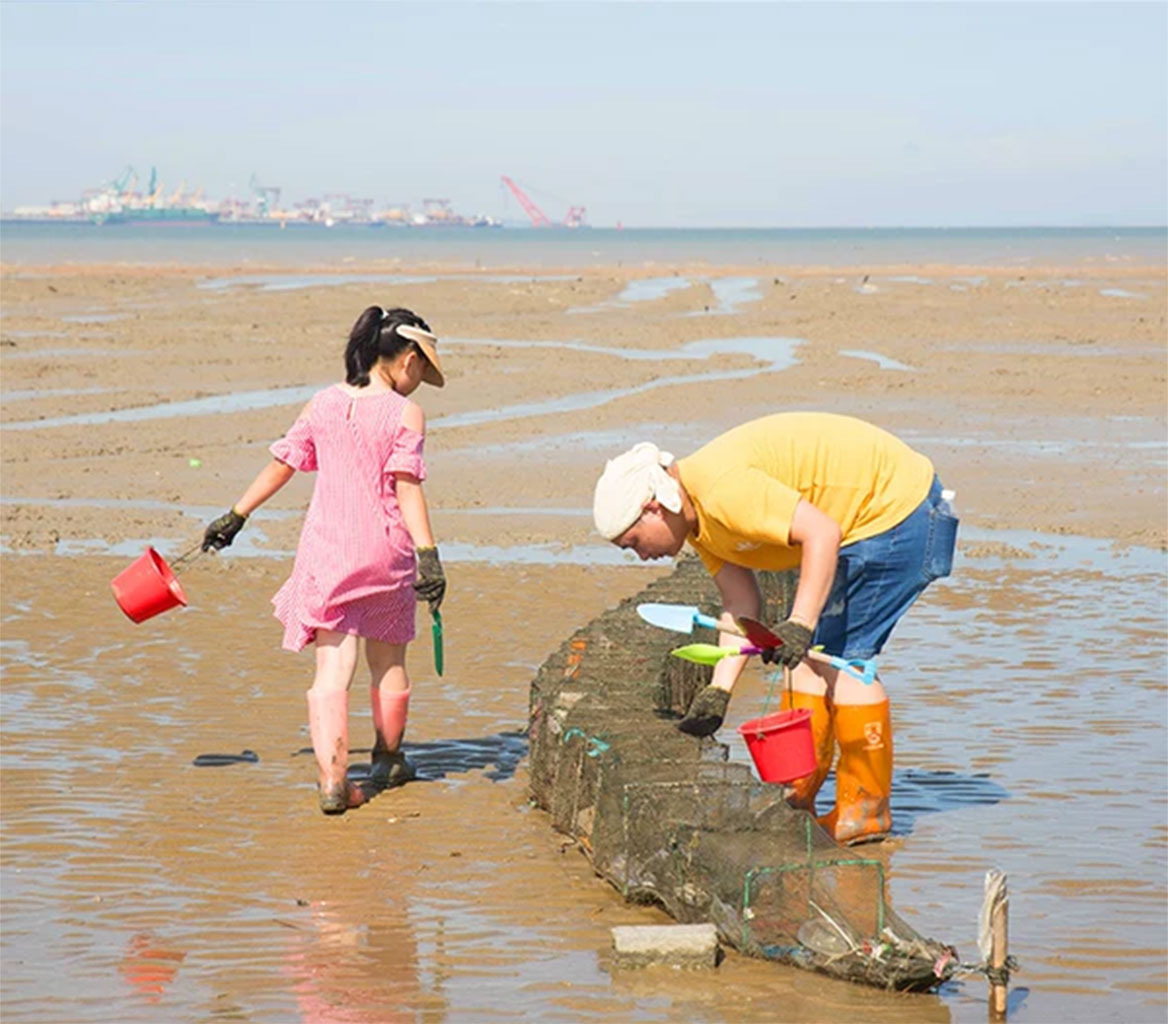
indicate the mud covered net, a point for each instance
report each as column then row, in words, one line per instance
column 666, row 819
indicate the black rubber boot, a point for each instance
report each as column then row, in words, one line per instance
column 390, row 768
column 705, row 714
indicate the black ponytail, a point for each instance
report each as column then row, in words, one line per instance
column 361, row 351
column 374, row 336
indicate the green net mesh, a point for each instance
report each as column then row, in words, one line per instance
column 667, row 819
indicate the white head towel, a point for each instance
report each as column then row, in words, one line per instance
column 629, row 482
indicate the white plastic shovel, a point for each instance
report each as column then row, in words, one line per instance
column 678, row 618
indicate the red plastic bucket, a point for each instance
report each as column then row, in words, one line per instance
column 147, row 587
column 781, row 745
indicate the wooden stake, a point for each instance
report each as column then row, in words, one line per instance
column 999, row 951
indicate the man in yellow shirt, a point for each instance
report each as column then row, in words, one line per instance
column 858, row 512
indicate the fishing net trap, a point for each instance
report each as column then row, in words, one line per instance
column 667, row 819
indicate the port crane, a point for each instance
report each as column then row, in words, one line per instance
column 155, row 189
column 266, row 197
column 124, row 185
column 438, row 210
column 574, row 218
column 539, row 219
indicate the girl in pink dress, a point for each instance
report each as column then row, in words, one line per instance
column 367, row 525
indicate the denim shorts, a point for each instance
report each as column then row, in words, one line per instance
column 878, row 579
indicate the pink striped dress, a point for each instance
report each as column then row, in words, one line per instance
column 354, row 568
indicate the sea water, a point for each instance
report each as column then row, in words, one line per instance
column 305, row 245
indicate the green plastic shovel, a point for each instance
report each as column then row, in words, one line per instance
column 436, row 636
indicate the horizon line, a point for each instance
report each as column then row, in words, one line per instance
column 10, row 217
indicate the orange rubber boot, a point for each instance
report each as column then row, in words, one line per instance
column 328, row 723
column 863, row 777
column 803, row 790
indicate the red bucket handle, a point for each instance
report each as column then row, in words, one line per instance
column 189, row 557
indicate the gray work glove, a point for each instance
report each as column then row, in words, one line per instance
column 705, row 714
column 430, row 583
column 796, row 640
column 222, row 531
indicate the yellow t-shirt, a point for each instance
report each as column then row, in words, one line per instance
column 746, row 483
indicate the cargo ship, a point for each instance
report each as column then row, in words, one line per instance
column 118, row 203
column 169, row 215
column 160, row 215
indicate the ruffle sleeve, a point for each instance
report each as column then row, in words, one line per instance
column 406, row 454
column 296, row 448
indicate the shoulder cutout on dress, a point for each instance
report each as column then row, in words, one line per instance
column 413, row 418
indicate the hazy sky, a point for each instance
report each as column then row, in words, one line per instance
column 650, row 114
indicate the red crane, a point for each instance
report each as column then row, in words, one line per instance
column 538, row 217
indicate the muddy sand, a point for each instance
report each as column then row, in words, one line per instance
column 139, row 401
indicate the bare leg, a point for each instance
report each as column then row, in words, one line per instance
column 336, row 661
column 387, row 665
column 840, row 687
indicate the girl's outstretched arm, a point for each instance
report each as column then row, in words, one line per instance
column 220, row 533
column 267, row 482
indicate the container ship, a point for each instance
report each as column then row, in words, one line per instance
column 119, row 203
